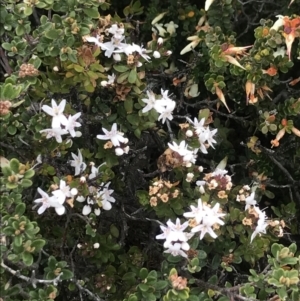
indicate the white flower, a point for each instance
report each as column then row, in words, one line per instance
column 141, row 51
column 176, row 239
column 105, row 196
column 261, row 223
column 197, row 212
column 56, row 112
column 171, row 27
column 205, row 217
column 156, row 54
column 115, row 136
column 56, row 133
column 47, row 202
column 176, row 250
column 95, row 41
column 181, row 149
column 94, row 172
column 63, row 192
column 166, row 113
column 150, row 101
column 250, row 201
column 111, row 79
column 78, row 163
column 118, row 32
column 71, row 123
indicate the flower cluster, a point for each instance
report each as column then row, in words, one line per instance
column 59, row 119
column 98, row 198
column 116, row 139
column 58, row 198
column 176, row 239
column 116, row 46
column 218, row 180
column 202, row 218
column 163, row 105
column 205, row 219
column 188, row 156
column 204, row 134
column 163, row 191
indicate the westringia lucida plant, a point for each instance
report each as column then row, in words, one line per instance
column 150, row 150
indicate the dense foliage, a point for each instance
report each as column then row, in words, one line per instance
column 150, row 150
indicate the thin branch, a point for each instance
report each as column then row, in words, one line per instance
column 85, row 290
column 31, row 279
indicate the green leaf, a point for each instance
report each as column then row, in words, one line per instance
column 128, row 105
column 52, row 262
column 161, row 284
column 20, row 209
column 52, row 34
column 91, row 12
column 27, row 258
column 14, row 165
column 143, row 287
column 130, row 276
column 67, row 274
column 8, row 91
column 12, row 130
column 143, row 273
column 133, row 119
column 38, row 244
column 26, row 183
column 29, row 174
column 121, row 68
column 132, row 76
column 114, row 231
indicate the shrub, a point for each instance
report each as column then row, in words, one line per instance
column 149, row 150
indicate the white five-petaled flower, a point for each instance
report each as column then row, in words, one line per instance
column 166, row 113
column 57, row 112
column 46, row 202
column 56, row 133
column 105, row 196
column 114, row 135
column 63, row 192
column 150, row 101
column 78, row 163
column 71, row 123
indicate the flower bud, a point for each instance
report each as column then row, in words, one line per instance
column 156, row 54
column 74, row 191
column 104, row 83
column 117, row 57
column 96, row 245
column 119, row 151
column 189, row 177
column 189, row 133
column 168, row 53
column 160, row 41
column 55, row 68
column 82, row 180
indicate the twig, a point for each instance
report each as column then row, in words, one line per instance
column 31, row 279
column 83, row 289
